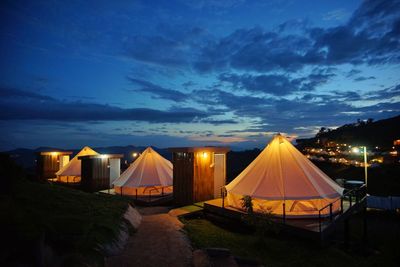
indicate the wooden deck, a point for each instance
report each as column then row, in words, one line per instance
column 313, row 228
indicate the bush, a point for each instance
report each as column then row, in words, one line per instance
column 262, row 220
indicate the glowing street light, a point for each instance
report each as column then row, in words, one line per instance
column 357, row 150
column 135, row 156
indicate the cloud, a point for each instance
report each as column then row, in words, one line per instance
column 8, row 92
column 240, row 105
column 212, row 4
column 172, row 46
column 375, row 14
column 158, row 91
column 279, row 113
column 147, row 49
column 33, row 106
column 278, row 85
column 362, row 78
column 272, row 84
column 259, row 50
column 386, row 93
column 294, row 25
column 369, row 37
column 219, row 122
column 336, row 15
column 353, row 72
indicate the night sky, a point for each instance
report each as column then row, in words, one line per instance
column 178, row 73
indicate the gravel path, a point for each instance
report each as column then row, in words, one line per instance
column 158, row 242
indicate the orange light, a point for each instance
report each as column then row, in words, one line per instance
column 54, row 153
column 135, row 155
column 205, row 155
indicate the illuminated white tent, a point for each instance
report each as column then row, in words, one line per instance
column 71, row 173
column 150, row 174
column 282, row 178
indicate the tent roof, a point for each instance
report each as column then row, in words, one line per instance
column 282, row 172
column 73, row 167
column 150, row 169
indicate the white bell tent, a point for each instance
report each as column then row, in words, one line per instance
column 71, row 173
column 284, row 181
column 150, row 174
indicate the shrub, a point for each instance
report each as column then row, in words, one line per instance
column 262, row 220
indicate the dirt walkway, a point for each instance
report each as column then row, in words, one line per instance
column 158, row 242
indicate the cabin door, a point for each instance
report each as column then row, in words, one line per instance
column 219, row 174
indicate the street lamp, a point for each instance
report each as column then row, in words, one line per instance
column 357, row 150
column 135, row 156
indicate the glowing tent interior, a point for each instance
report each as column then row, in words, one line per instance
column 150, row 174
column 71, row 173
column 281, row 179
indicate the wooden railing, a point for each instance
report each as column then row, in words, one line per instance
column 354, row 197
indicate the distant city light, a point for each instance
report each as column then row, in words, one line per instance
column 356, row 150
column 134, row 154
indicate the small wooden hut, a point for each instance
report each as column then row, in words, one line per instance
column 98, row 172
column 199, row 173
column 50, row 162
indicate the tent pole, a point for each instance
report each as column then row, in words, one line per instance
column 284, row 212
column 223, row 197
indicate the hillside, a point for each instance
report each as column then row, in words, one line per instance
column 379, row 133
column 43, row 221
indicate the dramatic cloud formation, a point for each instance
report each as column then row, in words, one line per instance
column 22, row 105
column 198, row 72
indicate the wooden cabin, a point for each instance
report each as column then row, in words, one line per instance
column 48, row 163
column 98, row 172
column 199, row 173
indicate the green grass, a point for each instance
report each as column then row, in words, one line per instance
column 191, row 208
column 283, row 250
column 72, row 222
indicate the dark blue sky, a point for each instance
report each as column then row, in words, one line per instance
column 176, row 73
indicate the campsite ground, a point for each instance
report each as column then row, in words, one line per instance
column 283, row 250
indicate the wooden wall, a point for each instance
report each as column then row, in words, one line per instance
column 193, row 177
column 95, row 174
column 183, row 177
column 47, row 166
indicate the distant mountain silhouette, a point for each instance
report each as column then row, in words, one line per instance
column 380, row 133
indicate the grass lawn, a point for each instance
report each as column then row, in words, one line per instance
column 286, row 251
column 72, row 222
column 191, row 208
